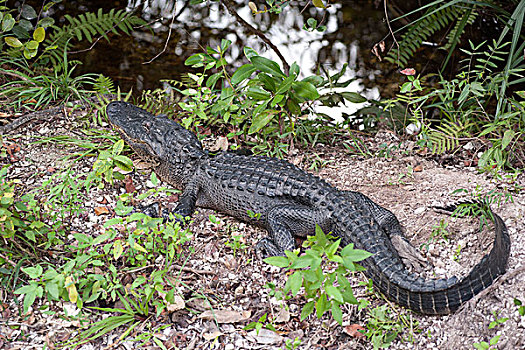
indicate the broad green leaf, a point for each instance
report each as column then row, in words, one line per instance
column 117, row 249
column 32, row 45
column 315, row 80
column 154, row 179
column 28, row 12
column 348, row 296
column 285, row 85
column 26, row 25
column 28, row 288
column 8, row 23
column 337, row 314
column 295, row 70
column 13, row 42
column 249, row 52
column 318, row 3
column 212, row 80
column 50, row 274
column 33, row 272
column 507, row 138
column 244, row 72
column 269, row 82
column 225, row 44
column 293, row 107
column 267, row 66
column 123, row 163
column 307, row 310
column 321, row 305
column 39, row 34
column 46, row 22
column 334, row 293
column 295, row 282
column 260, row 121
column 305, row 90
column 52, row 289
column 257, row 93
column 101, row 238
column 355, row 254
column 30, row 297
column 194, row 59
column 279, row 261
column 118, row 147
column 353, row 97
column 302, row 262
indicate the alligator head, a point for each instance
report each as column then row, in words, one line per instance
column 173, row 150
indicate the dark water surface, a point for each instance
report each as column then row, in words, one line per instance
column 353, row 27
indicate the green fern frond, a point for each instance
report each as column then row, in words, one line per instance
column 458, row 30
column 446, row 137
column 104, row 85
column 87, row 27
column 435, row 19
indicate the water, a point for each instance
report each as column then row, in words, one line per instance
column 352, row 29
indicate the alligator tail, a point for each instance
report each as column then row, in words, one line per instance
column 389, row 275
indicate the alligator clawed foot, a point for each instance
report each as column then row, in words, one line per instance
column 152, row 210
column 409, row 254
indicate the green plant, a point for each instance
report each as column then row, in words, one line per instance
column 437, row 15
column 318, row 163
column 494, row 340
column 399, row 181
column 521, row 307
column 108, row 160
column 236, row 242
column 258, row 99
column 42, row 89
column 325, row 291
column 260, row 323
column 485, row 346
column 440, row 230
column 465, row 107
column 23, row 30
column 292, row 344
column 382, row 328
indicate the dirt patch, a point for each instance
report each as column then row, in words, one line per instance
column 406, row 183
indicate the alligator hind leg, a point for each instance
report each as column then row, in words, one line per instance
column 389, row 223
column 285, row 222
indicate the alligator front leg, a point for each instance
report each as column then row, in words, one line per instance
column 283, row 224
column 185, row 207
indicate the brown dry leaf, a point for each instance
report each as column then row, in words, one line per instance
column 212, row 335
column 128, row 182
column 283, row 316
column 418, row 168
column 265, row 336
column 225, row 316
column 353, row 330
column 178, row 304
column 4, row 115
column 101, row 210
column 221, row 144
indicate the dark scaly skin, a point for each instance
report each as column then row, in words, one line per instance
column 291, row 202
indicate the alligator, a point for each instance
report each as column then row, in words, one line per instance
column 291, row 202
